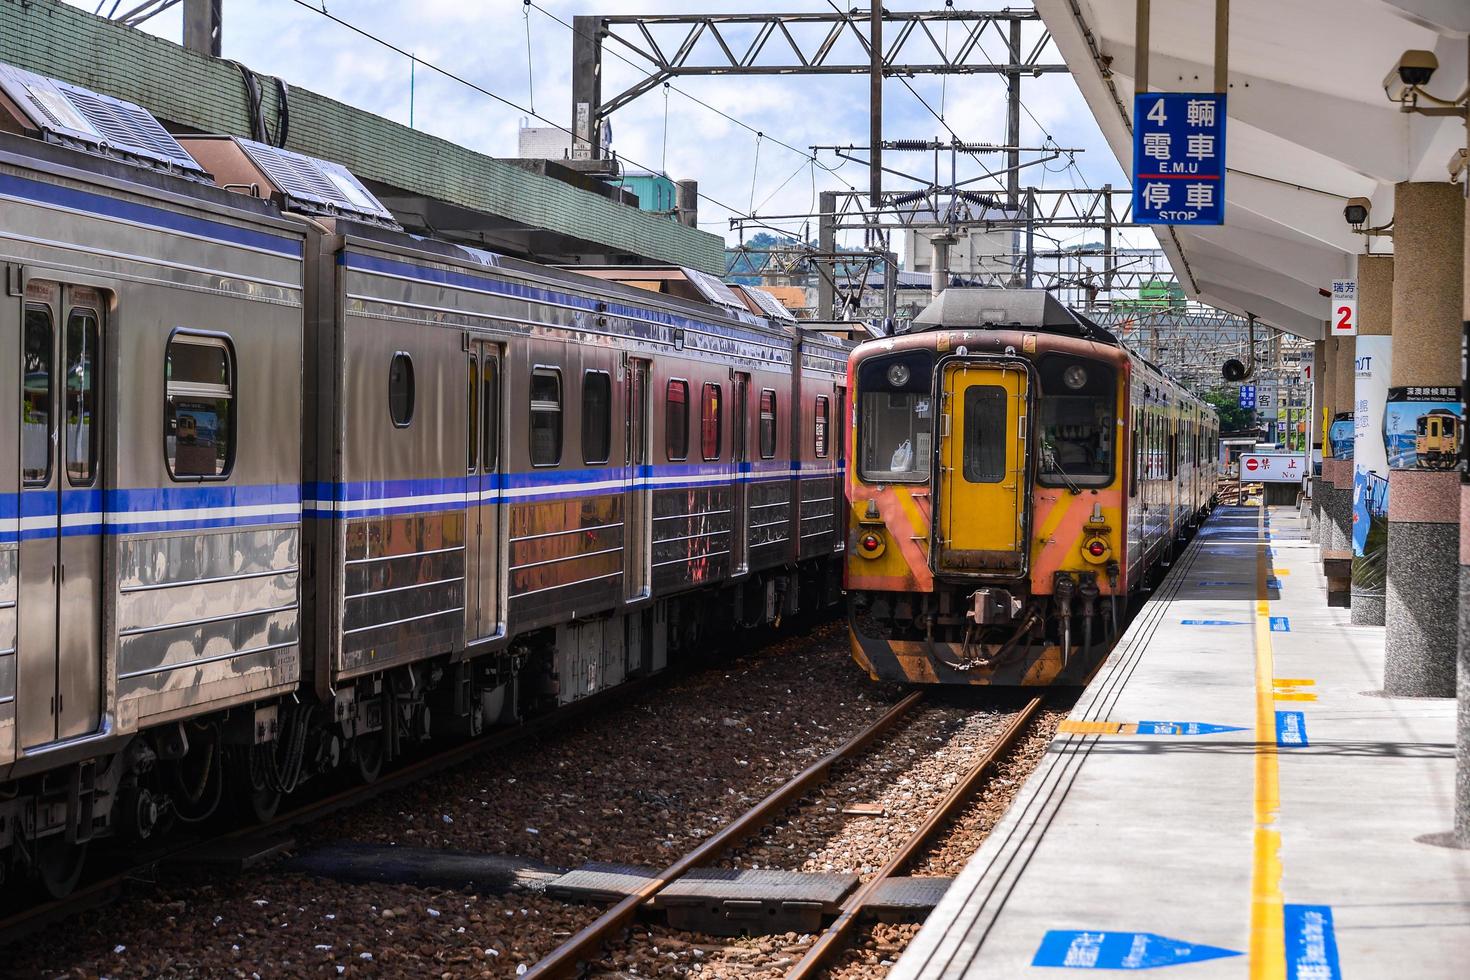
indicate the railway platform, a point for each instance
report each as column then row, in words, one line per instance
column 1232, row 796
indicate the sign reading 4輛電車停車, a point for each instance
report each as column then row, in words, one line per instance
column 1179, row 158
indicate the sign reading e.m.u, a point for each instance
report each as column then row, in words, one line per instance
column 1179, row 158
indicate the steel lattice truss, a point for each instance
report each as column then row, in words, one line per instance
column 677, row 45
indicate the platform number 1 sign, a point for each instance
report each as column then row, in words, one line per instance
column 1344, row 307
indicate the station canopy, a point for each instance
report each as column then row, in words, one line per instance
column 1309, row 127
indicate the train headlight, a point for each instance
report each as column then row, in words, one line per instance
column 870, row 544
column 898, row 375
column 1095, row 549
column 1075, row 377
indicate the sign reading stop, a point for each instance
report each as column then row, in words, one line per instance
column 1272, row 467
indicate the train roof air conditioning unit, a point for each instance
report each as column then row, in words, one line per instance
column 69, row 115
column 297, row 182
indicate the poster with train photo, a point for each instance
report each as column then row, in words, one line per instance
column 1422, row 427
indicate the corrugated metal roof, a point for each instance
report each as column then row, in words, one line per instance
column 206, row 94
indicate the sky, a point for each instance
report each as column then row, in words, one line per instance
column 520, row 52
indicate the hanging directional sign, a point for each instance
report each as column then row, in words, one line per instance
column 1179, row 158
column 1096, row 950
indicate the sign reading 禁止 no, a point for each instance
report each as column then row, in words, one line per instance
column 1344, row 307
column 1179, row 158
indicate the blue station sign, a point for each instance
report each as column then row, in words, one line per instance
column 1179, row 158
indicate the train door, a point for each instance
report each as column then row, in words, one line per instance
column 484, row 607
column 839, row 477
column 638, row 526
column 740, row 441
column 983, row 423
column 59, row 628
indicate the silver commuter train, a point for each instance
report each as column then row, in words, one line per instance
column 294, row 490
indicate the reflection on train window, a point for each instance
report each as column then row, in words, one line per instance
column 82, row 429
column 710, row 436
column 676, row 420
column 545, row 416
column 198, row 416
column 400, row 389
column 819, row 431
column 35, row 412
column 895, row 430
column 985, row 434
column 596, row 417
column 768, row 424
column 1077, row 422
column 1137, row 454
column 490, row 415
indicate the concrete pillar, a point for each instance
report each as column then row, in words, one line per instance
column 1462, row 769
column 686, row 202
column 1375, row 323
column 1314, row 425
column 1337, row 481
column 1423, row 504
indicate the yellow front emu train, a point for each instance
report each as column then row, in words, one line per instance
column 1015, row 477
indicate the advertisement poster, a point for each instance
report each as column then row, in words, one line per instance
column 1340, row 435
column 1370, row 465
column 1422, row 427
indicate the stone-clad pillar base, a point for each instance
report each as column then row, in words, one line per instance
column 1336, row 537
column 1462, row 739
column 1314, row 521
column 1422, row 613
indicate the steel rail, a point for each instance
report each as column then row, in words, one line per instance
column 841, row 928
column 563, row 960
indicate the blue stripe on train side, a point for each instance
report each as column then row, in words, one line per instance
column 144, row 214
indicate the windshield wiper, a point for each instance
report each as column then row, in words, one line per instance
column 1049, row 459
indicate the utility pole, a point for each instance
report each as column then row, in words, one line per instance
column 202, row 26
column 875, row 104
column 1013, row 121
column 827, row 245
column 586, row 88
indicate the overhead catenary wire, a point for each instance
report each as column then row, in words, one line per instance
column 509, row 103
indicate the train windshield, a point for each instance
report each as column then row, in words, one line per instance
column 1078, row 424
column 896, row 424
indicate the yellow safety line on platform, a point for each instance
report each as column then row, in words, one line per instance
column 1268, row 928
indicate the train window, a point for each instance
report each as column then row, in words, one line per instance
column 198, row 413
column 819, row 427
column 709, row 423
column 473, row 412
column 596, row 417
column 985, row 434
column 676, row 420
column 1137, row 455
column 1078, row 430
column 896, row 418
column 490, row 414
column 545, row 416
column 80, row 411
column 768, row 424
column 400, row 389
column 35, row 411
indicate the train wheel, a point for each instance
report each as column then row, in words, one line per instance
column 59, row 865
column 368, row 755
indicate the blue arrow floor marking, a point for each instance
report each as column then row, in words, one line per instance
column 1311, row 945
column 1213, row 622
column 1077, row 949
column 1280, row 624
column 1183, row 728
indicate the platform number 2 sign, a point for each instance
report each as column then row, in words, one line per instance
column 1344, row 307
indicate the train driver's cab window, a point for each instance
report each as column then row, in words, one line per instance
column 768, row 423
column 198, row 413
column 596, row 417
column 545, row 416
column 676, row 420
column 896, row 418
column 1078, row 427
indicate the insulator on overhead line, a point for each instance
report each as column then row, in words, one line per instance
column 909, row 145
column 910, row 197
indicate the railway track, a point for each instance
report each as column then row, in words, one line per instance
column 100, row 891
column 587, row 943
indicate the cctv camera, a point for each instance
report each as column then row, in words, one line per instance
column 1356, row 212
column 1414, row 68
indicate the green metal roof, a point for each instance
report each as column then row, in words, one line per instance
column 207, row 94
